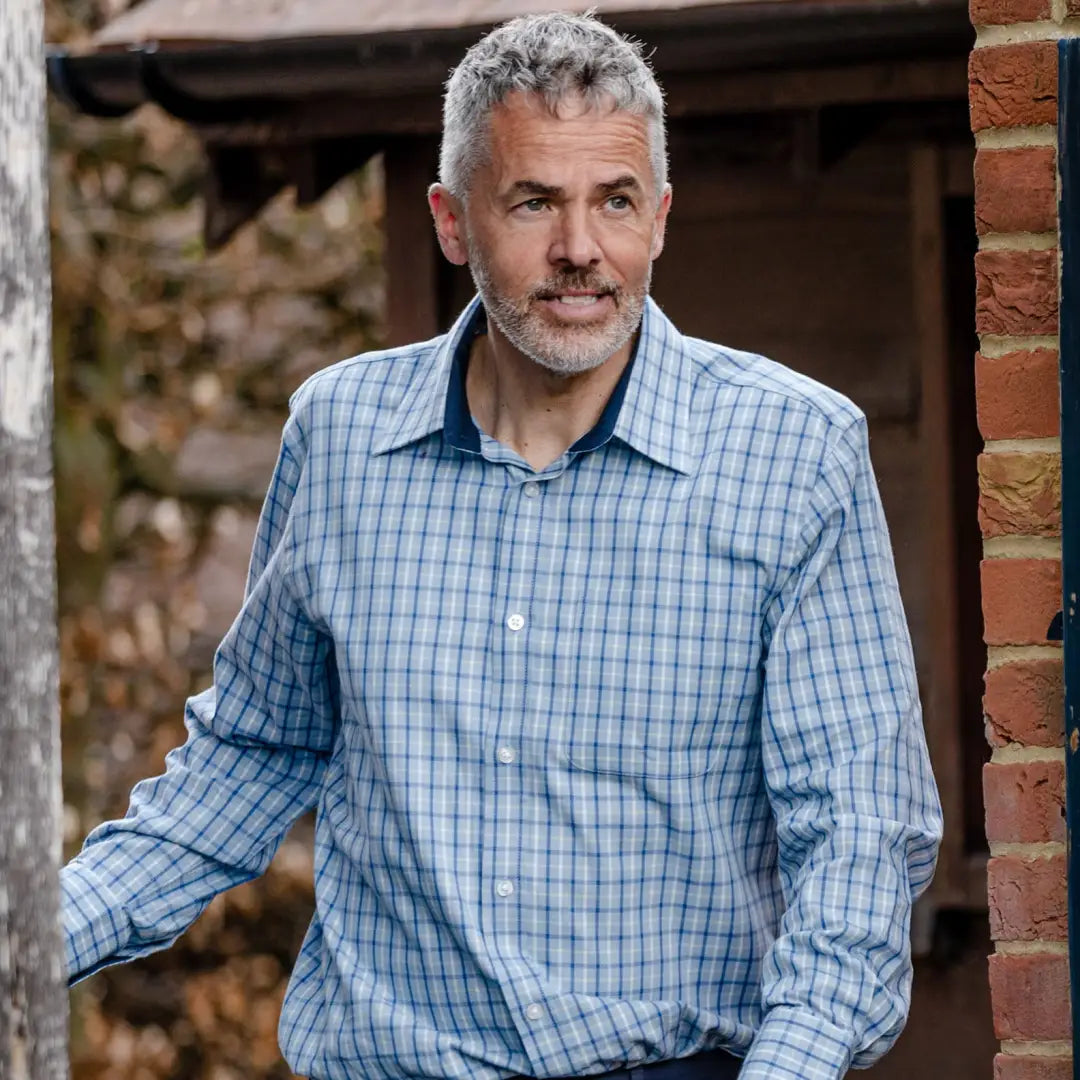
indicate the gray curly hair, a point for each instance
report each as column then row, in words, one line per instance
column 555, row 56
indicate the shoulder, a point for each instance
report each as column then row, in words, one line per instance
column 751, row 379
column 743, row 389
column 377, row 377
column 358, row 393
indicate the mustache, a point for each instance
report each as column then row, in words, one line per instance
column 576, row 281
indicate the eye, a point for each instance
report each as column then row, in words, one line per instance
column 619, row 202
column 533, row 205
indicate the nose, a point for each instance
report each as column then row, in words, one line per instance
column 575, row 243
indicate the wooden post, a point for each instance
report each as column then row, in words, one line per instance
column 33, row 996
column 942, row 698
column 412, row 254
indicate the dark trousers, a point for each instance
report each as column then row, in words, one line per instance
column 711, row 1065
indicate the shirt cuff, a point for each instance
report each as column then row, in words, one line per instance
column 796, row 1044
column 94, row 922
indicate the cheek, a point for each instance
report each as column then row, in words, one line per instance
column 629, row 253
column 519, row 258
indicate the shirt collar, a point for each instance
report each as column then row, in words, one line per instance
column 649, row 409
column 655, row 416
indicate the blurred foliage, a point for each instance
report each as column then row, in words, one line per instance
column 157, row 342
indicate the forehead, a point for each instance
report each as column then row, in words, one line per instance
column 529, row 140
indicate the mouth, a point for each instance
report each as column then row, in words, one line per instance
column 579, row 299
column 571, row 305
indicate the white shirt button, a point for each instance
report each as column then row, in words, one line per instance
column 534, row 1011
column 504, row 888
column 515, row 622
column 506, row 755
column 532, row 489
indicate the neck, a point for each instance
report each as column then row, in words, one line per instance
column 536, row 412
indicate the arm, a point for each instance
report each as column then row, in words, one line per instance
column 856, row 808
column 252, row 763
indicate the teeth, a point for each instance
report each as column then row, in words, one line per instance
column 579, row 301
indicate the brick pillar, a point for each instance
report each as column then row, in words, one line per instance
column 1013, row 94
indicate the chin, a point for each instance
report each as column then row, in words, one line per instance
column 571, row 355
column 585, row 326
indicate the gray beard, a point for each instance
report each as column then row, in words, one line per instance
column 562, row 351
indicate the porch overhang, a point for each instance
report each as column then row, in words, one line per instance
column 205, row 65
column 301, row 95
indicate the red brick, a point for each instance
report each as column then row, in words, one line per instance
column 1025, row 703
column 1030, row 1067
column 998, row 12
column 1016, row 292
column 1030, row 996
column 1025, row 802
column 1020, row 494
column 1013, row 85
column 1020, row 597
column 1027, row 898
column 1017, row 395
column 1016, row 190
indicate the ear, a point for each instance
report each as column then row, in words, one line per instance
column 660, row 222
column 448, row 213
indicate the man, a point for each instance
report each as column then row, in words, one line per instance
column 584, row 638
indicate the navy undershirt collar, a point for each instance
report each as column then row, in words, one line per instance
column 459, row 428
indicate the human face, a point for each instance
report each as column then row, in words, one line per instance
column 560, row 230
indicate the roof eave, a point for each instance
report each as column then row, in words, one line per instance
column 225, row 82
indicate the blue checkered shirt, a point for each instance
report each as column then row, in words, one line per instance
column 613, row 762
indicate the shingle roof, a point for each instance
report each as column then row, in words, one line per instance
column 251, row 20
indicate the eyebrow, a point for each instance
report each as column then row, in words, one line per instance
column 535, row 188
column 623, row 183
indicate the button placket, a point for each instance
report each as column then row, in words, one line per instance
column 508, row 670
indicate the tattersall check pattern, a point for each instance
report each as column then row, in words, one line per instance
column 613, row 762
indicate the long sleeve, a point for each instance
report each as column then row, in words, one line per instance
column 857, row 814
column 255, row 754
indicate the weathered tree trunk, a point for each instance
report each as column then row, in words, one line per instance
column 33, row 998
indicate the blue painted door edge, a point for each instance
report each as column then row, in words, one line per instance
column 1069, row 213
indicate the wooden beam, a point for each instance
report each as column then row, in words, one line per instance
column 705, row 93
column 334, row 117
column 412, row 253
column 942, row 698
column 701, row 93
